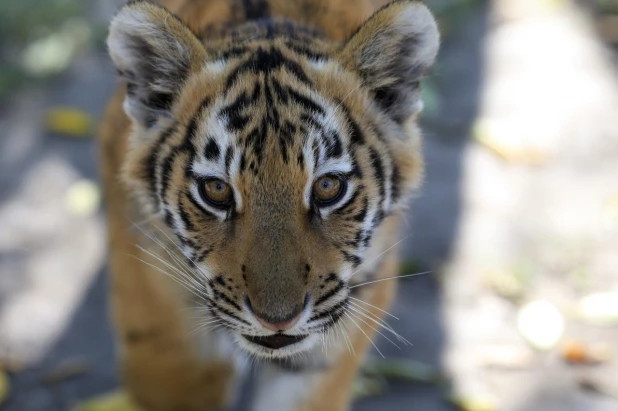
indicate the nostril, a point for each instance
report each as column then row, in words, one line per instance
column 278, row 323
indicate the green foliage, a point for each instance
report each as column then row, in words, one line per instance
column 24, row 23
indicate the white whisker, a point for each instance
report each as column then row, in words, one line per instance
column 387, row 328
column 390, row 278
column 381, row 254
column 188, row 282
column 173, row 277
column 370, row 314
column 371, row 305
column 364, row 333
column 167, row 250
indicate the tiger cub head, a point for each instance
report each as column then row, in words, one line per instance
column 273, row 155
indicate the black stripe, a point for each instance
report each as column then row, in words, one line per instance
column 335, row 148
column 356, row 171
column 360, row 217
column 185, row 241
column 331, row 293
column 395, row 182
column 257, row 92
column 356, row 136
column 184, row 216
column 212, row 150
column 228, row 313
column 200, row 207
column 351, row 258
column 233, row 112
column 331, row 277
column 151, row 162
column 305, row 102
column 202, row 255
column 353, row 197
column 326, row 313
column 255, row 9
column 224, row 297
column 267, row 61
column 169, row 219
column 358, row 237
column 243, row 162
column 185, row 145
column 310, row 121
column 378, row 167
column 233, row 52
column 305, row 51
column 282, row 94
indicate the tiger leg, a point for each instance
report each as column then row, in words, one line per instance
column 161, row 366
column 331, row 389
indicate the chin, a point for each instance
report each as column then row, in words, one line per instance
column 271, row 347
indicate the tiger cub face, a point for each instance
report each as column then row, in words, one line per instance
column 273, row 157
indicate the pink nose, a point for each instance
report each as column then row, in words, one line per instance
column 279, row 326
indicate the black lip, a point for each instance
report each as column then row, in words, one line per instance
column 275, row 341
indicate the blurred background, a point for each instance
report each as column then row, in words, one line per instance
column 517, row 221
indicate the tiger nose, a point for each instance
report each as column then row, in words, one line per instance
column 280, row 323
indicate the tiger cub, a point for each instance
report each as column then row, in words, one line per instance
column 256, row 157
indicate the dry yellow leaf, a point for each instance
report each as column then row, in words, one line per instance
column 476, row 403
column 116, row 401
column 72, row 122
column 4, row 386
column 486, row 134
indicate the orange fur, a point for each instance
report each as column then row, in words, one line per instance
column 275, row 253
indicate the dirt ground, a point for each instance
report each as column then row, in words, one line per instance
column 520, row 204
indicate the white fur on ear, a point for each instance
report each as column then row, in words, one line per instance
column 154, row 52
column 391, row 51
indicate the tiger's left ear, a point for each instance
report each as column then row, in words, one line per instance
column 154, row 52
column 391, row 51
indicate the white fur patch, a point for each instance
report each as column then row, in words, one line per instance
column 215, row 67
column 283, row 391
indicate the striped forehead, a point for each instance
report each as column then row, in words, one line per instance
column 236, row 131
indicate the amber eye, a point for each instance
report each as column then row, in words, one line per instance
column 216, row 192
column 328, row 189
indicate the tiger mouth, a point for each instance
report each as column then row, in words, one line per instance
column 275, row 341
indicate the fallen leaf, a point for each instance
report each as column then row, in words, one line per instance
column 479, row 402
column 578, row 352
column 69, row 121
column 116, row 401
column 366, row 386
column 67, row 369
column 598, row 309
column 489, row 135
column 404, row 369
column 4, row 386
column 508, row 357
column 598, row 386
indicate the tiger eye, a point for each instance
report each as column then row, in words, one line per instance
column 327, row 189
column 217, row 192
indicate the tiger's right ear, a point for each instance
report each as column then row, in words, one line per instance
column 154, row 52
